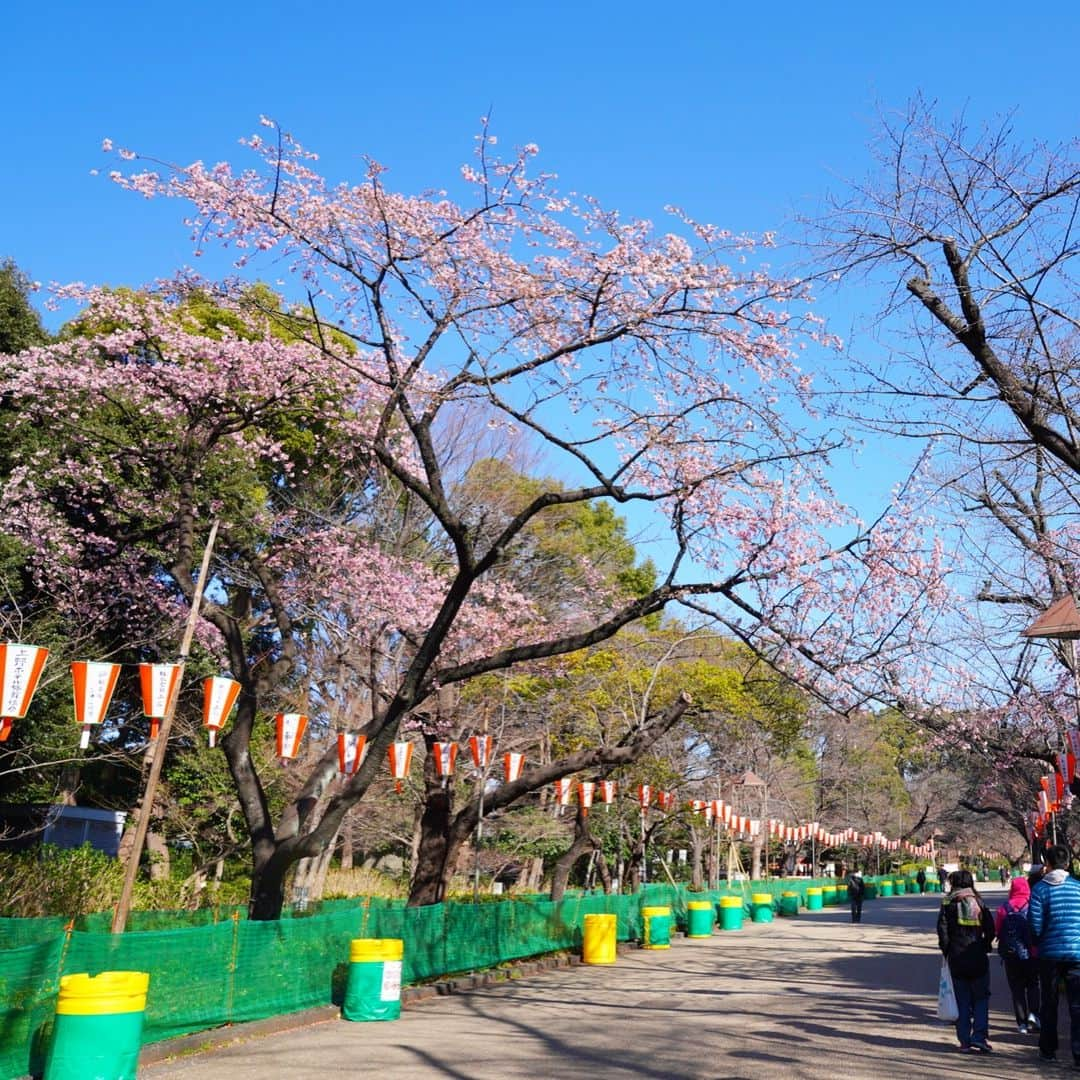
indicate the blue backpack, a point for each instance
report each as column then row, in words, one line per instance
column 1014, row 941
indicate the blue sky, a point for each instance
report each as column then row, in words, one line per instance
column 741, row 114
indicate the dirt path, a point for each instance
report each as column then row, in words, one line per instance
column 812, row 997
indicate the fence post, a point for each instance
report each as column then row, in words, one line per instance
column 234, row 962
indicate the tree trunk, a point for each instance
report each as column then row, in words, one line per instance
column 582, row 842
column 756, row 846
column 604, row 871
column 347, row 843
column 157, row 854
column 268, row 890
column 697, row 868
column 430, row 867
column 534, row 875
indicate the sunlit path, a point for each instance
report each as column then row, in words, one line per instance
column 809, row 997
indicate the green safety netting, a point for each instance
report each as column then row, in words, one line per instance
column 214, row 967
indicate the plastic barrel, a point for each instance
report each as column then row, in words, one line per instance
column 814, row 902
column 899, row 886
column 657, row 927
column 598, row 946
column 699, row 919
column 761, row 907
column 789, row 903
column 886, row 888
column 98, row 1028
column 828, row 895
column 731, row 912
column 871, row 891
column 373, row 988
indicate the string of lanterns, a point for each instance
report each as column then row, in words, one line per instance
column 94, row 683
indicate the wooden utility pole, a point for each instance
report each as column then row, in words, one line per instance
column 123, row 906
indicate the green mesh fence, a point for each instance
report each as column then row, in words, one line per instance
column 215, row 967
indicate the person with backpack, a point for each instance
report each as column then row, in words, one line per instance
column 965, row 930
column 1018, row 955
column 1054, row 918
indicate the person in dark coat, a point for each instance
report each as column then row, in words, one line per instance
column 965, row 935
column 920, row 879
column 856, row 892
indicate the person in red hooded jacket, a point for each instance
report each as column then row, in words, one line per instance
column 1018, row 955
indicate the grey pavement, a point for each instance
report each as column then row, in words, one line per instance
column 813, row 997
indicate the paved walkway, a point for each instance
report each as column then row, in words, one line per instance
column 812, row 997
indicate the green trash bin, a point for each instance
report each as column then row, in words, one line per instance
column 789, row 903
column 731, row 912
column 373, row 987
column 828, row 895
column 657, row 922
column 814, row 901
column 871, row 891
column 98, row 1026
column 761, row 907
column 886, row 888
column 699, row 919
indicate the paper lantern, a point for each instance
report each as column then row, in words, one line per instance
column 290, row 730
column 644, row 792
column 1067, row 766
column 666, row 800
column 159, row 684
column 563, row 788
column 697, row 806
column 445, row 755
column 400, row 755
column 219, row 697
column 513, row 763
column 481, row 747
column 93, row 684
column 607, row 793
column 585, row 794
column 351, row 751
column 20, row 670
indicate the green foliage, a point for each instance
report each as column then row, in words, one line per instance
column 20, row 324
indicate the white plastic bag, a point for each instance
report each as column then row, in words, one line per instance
column 946, row 996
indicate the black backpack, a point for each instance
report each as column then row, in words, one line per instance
column 1014, row 941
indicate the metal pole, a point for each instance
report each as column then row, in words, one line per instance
column 123, row 905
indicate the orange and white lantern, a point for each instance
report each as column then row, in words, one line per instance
column 93, row 683
column 290, row 730
column 481, row 748
column 351, row 751
column 563, row 788
column 607, row 793
column 159, row 685
column 644, row 793
column 666, row 800
column 219, row 697
column 400, row 755
column 697, row 806
column 445, row 757
column 513, row 764
column 20, row 670
column 585, row 792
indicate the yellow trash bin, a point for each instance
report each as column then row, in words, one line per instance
column 598, row 945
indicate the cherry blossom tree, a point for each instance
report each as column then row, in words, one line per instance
column 655, row 369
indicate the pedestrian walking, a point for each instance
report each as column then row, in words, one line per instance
column 920, row 879
column 1003, row 873
column 1054, row 919
column 856, row 893
column 965, row 935
column 1018, row 952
